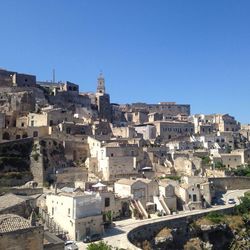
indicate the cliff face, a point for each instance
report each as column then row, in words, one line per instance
column 218, row 231
column 28, row 159
column 15, row 162
column 211, row 232
column 46, row 158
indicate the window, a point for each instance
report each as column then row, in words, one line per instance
column 32, row 123
column 52, row 210
column 35, row 134
column 107, row 202
column 22, row 124
column 194, row 197
column 68, row 211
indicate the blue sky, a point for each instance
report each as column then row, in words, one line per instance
column 192, row 52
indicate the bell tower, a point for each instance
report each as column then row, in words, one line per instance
column 100, row 84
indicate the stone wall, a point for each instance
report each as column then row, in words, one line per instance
column 52, row 242
column 222, row 184
column 180, row 225
column 72, row 174
column 31, row 238
column 25, row 191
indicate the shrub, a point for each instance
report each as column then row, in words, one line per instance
column 242, row 171
column 244, row 206
column 100, row 246
column 206, row 160
column 215, row 217
column 219, row 165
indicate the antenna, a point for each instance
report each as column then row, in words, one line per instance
column 54, row 75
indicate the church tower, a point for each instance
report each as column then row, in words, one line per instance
column 102, row 99
column 100, row 84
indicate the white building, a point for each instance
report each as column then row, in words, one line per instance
column 77, row 212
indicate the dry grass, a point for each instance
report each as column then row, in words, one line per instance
column 235, row 222
column 165, row 232
column 204, row 221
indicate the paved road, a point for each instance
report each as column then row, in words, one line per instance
column 235, row 194
column 117, row 236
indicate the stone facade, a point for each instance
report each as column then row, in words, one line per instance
column 14, row 79
column 76, row 212
column 168, row 130
column 16, row 233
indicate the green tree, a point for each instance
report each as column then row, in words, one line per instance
column 244, row 206
column 206, row 160
column 100, row 246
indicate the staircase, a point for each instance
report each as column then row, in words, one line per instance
column 186, row 207
column 164, row 205
column 136, row 205
column 161, row 204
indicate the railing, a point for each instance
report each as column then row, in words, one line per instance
column 51, row 224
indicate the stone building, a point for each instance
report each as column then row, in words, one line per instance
column 14, row 79
column 65, row 95
column 138, row 189
column 205, row 124
column 167, row 191
column 167, row 108
column 73, row 128
column 103, row 99
column 226, row 123
column 49, row 117
column 245, row 154
column 232, row 160
column 77, row 212
column 17, row 233
column 55, row 87
column 118, row 160
column 168, row 130
column 187, row 166
column 148, row 131
column 189, row 195
column 124, row 132
column 245, row 131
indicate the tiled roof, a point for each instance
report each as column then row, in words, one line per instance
column 12, row 222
